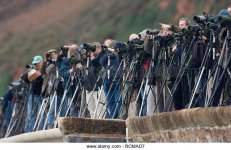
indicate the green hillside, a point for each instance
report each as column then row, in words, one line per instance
column 99, row 20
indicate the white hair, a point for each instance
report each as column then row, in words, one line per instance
column 133, row 36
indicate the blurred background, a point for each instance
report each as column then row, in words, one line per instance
column 31, row 27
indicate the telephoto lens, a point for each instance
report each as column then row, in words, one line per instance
column 90, row 47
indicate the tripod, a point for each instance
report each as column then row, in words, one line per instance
column 78, row 86
column 220, row 71
column 95, row 86
column 180, row 74
column 68, row 85
column 202, row 67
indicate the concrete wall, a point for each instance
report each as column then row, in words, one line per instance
column 190, row 125
column 44, row 136
column 85, row 130
column 212, row 124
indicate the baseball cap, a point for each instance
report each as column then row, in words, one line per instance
column 223, row 12
column 37, row 59
column 51, row 50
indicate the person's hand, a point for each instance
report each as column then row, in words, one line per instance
column 204, row 38
column 116, row 52
column 70, row 71
column 79, row 66
column 174, row 48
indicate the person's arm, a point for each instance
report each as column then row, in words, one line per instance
column 103, row 60
column 43, row 68
column 64, row 69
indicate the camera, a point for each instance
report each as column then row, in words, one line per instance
column 194, row 29
column 152, row 32
column 178, row 35
column 29, row 66
column 224, row 20
column 110, row 51
column 89, row 47
column 74, row 59
column 203, row 19
column 165, row 40
column 122, row 48
column 64, row 50
column 199, row 19
column 48, row 56
column 18, row 88
column 211, row 25
column 138, row 47
column 174, row 29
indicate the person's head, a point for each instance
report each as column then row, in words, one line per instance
column 165, row 30
column 223, row 12
column 73, row 50
column 37, row 61
column 51, row 54
column 98, row 48
column 229, row 10
column 109, row 42
column 184, row 23
column 133, row 36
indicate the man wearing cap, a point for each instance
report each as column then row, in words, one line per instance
column 52, row 85
column 35, row 100
column 48, row 69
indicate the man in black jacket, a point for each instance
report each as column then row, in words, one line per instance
column 112, row 83
column 92, row 73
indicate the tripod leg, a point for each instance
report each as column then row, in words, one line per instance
column 41, row 119
column 97, row 102
column 11, row 121
column 51, row 100
column 39, row 115
column 72, row 99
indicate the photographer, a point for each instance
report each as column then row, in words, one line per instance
column 135, row 56
column 181, row 95
column 35, row 100
column 112, row 81
column 163, row 43
column 128, row 89
column 149, row 94
column 67, row 72
column 93, row 74
column 7, row 109
column 220, row 90
column 51, row 83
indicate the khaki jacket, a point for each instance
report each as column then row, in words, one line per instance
column 49, row 73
